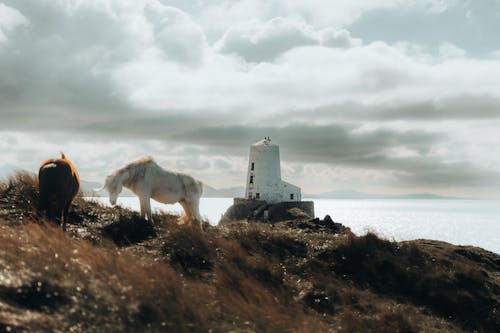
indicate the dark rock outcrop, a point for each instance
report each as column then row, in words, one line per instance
column 261, row 211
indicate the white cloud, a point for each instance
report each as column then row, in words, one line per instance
column 176, row 34
column 439, row 6
column 338, row 38
column 449, row 50
column 496, row 53
column 306, row 77
column 147, row 55
column 263, row 42
column 10, row 19
column 217, row 16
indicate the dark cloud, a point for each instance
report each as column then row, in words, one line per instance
column 61, row 64
column 335, row 143
column 432, row 172
column 119, row 123
column 349, row 147
column 59, row 61
column 453, row 108
column 456, row 108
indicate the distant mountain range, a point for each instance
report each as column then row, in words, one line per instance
column 351, row 194
column 232, row 192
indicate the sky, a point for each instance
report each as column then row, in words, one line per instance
column 382, row 96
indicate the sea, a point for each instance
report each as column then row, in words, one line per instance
column 460, row 222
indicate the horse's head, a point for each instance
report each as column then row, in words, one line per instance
column 114, row 185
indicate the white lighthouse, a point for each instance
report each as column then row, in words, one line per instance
column 264, row 175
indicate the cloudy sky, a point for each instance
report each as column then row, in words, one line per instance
column 388, row 96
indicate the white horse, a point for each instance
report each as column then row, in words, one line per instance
column 148, row 181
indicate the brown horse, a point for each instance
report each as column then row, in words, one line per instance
column 59, row 184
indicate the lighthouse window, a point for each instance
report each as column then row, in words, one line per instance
column 257, row 195
column 291, row 196
column 252, row 167
column 251, row 179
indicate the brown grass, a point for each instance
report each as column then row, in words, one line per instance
column 114, row 272
column 459, row 292
column 100, row 286
column 20, row 194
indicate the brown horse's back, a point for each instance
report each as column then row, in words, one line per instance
column 59, row 184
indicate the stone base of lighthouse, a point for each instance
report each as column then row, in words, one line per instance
column 261, row 211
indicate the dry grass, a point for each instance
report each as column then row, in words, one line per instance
column 102, row 288
column 114, row 272
column 83, row 287
column 460, row 292
column 19, row 197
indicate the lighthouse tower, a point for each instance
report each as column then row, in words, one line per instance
column 264, row 175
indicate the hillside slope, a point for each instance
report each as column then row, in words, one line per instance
column 113, row 272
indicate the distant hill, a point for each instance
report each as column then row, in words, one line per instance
column 351, row 194
column 343, row 194
column 88, row 188
column 232, row 192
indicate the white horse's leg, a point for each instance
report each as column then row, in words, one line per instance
column 194, row 210
column 143, row 206
column 147, row 203
column 187, row 209
column 195, row 204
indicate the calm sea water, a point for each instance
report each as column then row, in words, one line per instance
column 462, row 222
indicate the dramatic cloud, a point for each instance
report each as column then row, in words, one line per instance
column 195, row 82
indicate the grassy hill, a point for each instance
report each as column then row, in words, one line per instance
column 114, row 272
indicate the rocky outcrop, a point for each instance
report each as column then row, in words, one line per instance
column 261, row 211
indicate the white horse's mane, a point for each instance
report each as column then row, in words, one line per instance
column 135, row 165
column 135, row 169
